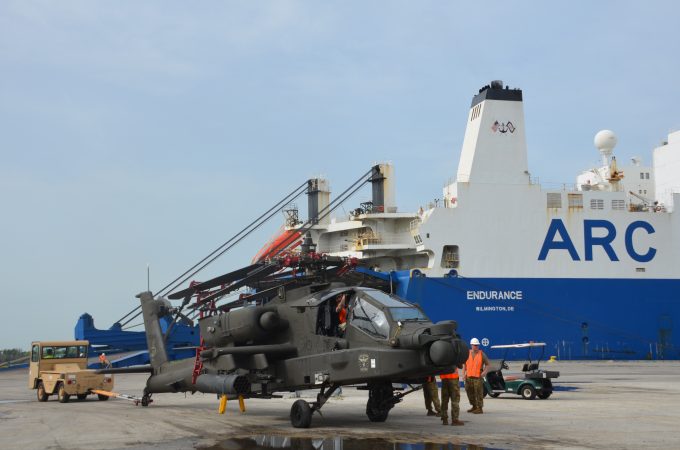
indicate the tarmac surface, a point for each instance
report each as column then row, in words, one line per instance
column 601, row 404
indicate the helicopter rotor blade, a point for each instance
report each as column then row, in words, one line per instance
column 222, row 279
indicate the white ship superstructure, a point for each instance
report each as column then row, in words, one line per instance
column 500, row 251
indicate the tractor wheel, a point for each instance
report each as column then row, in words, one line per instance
column 42, row 395
column 544, row 395
column 301, row 414
column 62, row 396
column 102, row 398
column 528, row 392
column 81, row 396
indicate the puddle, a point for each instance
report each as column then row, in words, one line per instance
column 332, row 443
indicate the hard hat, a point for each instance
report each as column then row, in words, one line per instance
column 474, row 341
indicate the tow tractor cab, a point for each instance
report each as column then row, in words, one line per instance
column 533, row 383
column 60, row 367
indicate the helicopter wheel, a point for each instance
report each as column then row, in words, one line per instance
column 379, row 405
column 301, row 414
column 146, row 399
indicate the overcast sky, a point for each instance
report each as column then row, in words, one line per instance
column 149, row 132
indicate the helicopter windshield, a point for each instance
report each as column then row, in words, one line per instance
column 400, row 310
column 370, row 319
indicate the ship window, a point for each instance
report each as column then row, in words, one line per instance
column 554, row 200
column 639, row 269
column 418, row 239
column 575, row 200
column 596, row 203
column 450, row 257
column 647, row 175
column 619, row 204
column 642, row 176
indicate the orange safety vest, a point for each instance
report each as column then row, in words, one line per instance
column 342, row 315
column 447, row 376
column 473, row 365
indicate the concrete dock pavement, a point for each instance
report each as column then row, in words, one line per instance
column 597, row 404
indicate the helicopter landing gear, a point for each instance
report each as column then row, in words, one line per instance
column 381, row 399
column 146, row 398
column 301, row 411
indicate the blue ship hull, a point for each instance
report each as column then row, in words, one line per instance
column 577, row 318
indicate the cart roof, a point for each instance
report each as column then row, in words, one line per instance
column 523, row 345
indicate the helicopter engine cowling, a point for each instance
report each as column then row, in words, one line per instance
column 223, row 384
column 246, row 325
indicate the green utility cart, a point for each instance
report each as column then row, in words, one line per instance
column 534, row 382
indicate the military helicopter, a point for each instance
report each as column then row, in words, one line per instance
column 287, row 334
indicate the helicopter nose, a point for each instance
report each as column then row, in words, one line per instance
column 442, row 353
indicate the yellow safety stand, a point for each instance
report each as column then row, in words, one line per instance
column 241, row 404
column 223, row 404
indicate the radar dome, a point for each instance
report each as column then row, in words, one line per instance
column 605, row 141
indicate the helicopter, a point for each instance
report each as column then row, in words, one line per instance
column 287, row 333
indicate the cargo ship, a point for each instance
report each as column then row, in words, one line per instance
column 591, row 268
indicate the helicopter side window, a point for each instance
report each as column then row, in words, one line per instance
column 370, row 319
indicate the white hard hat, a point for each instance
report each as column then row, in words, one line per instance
column 474, row 341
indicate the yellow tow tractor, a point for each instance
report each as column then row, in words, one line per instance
column 60, row 367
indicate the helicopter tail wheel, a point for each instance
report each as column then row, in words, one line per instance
column 301, row 414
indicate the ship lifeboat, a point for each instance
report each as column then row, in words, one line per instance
column 282, row 240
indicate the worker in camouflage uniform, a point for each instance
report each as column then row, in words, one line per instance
column 450, row 391
column 431, row 394
column 474, row 371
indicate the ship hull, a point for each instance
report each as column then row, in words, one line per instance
column 577, row 318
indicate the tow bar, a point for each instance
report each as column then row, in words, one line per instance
column 131, row 398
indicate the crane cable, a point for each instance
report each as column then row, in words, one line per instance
column 255, row 224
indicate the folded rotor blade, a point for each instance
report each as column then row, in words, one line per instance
column 222, row 279
column 255, row 275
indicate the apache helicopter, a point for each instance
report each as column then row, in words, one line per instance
column 288, row 335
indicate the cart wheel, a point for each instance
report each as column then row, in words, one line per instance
column 82, row 396
column 42, row 395
column 545, row 395
column 494, row 394
column 528, row 392
column 62, row 396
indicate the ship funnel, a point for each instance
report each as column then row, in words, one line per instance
column 382, row 180
column 318, row 198
column 494, row 148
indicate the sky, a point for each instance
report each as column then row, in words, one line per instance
column 135, row 133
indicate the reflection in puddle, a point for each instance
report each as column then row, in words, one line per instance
column 334, row 443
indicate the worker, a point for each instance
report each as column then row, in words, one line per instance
column 105, row 363
column 474, row 372
column 431, row 395
column 341, row 310
column 450, row 391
